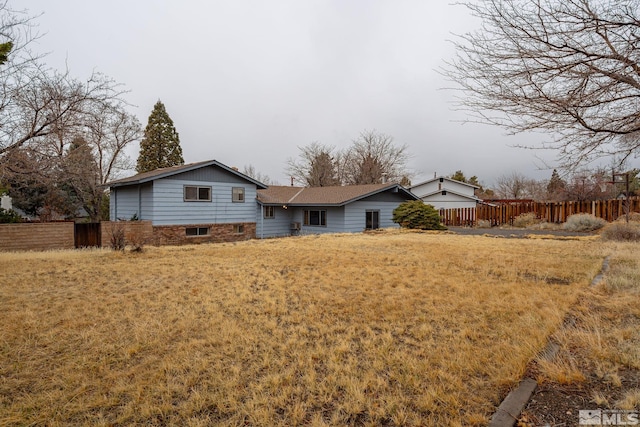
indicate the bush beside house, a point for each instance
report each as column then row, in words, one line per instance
column 416, row 214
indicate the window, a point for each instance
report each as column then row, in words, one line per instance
column 269, row 212
column 237, row 194
column 318, row 218
column 197, row 194
column 238, row 228
column 373, row 220
column 197, row 231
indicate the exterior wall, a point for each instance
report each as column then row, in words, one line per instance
column 169, row 207
column 278, row 226
column 335, row 220
column 124, row 203
column 37, row 236
column 5, row 202
column 177, row 235
column 447, row 184
column 146, row 202
column 449, row 201
column 355, row 214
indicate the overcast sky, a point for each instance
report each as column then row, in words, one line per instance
column 248, row 82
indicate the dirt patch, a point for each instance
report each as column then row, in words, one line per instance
column 515, row 232
column 556, row 405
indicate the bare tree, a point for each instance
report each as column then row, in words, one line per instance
column 251, row 172
column 587, row 185
column 316, row 166
column 373, row 158
column 42, row 113
column 568, row 67
column 513, row 186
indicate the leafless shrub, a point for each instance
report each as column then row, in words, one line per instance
column 525, row 220
column 117, row 239
column 622, row 231
column 483, row 223
column 136, row 238
column 583, row 222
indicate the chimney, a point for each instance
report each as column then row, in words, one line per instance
column 292, row 181
column 384, row 177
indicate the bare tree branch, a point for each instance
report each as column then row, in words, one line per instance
column 567, row 67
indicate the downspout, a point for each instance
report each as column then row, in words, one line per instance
column 139, row 203
column 261, row 221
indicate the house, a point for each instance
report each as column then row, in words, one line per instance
column 5, row 202
column 446, row 193
column 193, row 203
column 284, row 211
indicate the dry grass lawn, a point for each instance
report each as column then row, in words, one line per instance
column 598, row 362
column 392, row 328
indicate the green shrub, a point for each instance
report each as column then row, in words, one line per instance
column 9, row 216
column 621, row 231
column 583, row 222
column 416, row 214
column 525, row 220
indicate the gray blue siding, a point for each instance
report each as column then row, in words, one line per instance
column 171, row 209
column 355, row 214
column 278, row 226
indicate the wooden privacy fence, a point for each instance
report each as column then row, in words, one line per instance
column 556, row 212
column 461, row 217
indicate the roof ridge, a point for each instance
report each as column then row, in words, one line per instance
column 296, row 195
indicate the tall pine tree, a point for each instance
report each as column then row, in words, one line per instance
column 556, row 187
column 160, row 146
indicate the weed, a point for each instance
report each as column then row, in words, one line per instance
column 583, row 222
column 622, row 231
column 525, row 220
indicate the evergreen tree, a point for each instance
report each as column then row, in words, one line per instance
column 160, row 146
column 555, row 187
column 458, row 176
column 5, row 49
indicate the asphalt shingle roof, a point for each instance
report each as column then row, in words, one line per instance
column 337, row 195
column 173, row 170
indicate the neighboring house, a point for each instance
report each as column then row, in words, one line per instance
column 283, row 211
column 198, row 202
column 446, row 193
column 5, row 202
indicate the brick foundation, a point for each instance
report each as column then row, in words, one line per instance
column 177, row 234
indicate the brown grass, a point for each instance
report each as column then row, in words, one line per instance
column 601, row 340
column 374, row 329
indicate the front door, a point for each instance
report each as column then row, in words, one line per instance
column 373, row 220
